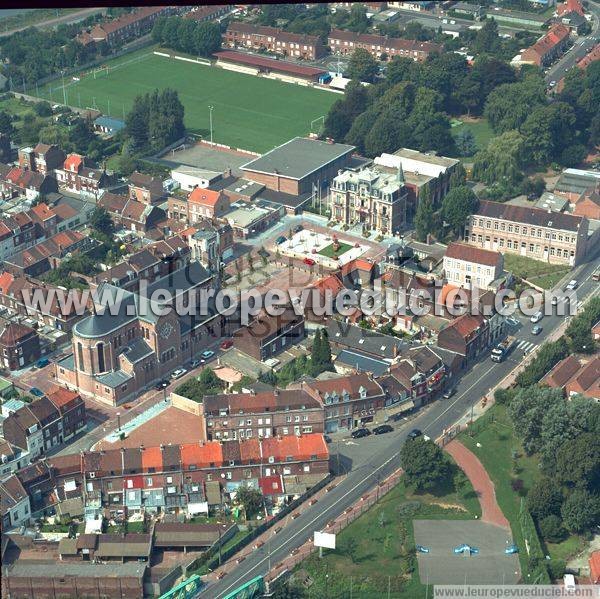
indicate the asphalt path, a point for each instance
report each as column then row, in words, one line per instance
column 372, row 459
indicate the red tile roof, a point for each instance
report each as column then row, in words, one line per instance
column 73, row 162
column 357, row 264
column 205, row 197
column 268, row 63
column 595, row 567
column 152, row 458
column 570, row 6
column 250, row 451
column 271, row 485
column 560, row 375
column 6, row 280
column 466, row 324
column 201, row 455
column 43, row 211
column 555, row 35
column 61, row 396
column 469, row 253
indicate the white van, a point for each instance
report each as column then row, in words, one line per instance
column 537, row 317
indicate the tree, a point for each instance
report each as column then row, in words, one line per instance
column 579, row 330
column 547, row 131
column 362, row 66
column 458, row 204
column 501, row 161
column 425, row 221
column 581, row 511
column 6, row 126
column 487, row 39
column 578, row 461
column 527, row 410
column 251, row 499
column 325, row 352
column 316, row 350
column 101, row 221
column 533, row 186
column 544, row 499
column 552, row 529
column 5, row 149
column 424, row 463
column 207, row 38
column 508, row 106
column 550, row 354
column 573, row 155
column 43, row 109
column 465, row 143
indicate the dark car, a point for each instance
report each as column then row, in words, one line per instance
column 162, row 385
column 42, row 362
column 415, row 433
column 327, row 438
column 359, row 433
column 449, row 393
column 37, row 392
column 382, row 429
column 281, row 239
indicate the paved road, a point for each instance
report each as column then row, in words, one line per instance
column 579, row 49
column 68, row 18
column 373, row 458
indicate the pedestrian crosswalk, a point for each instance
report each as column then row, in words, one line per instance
column 526, row 346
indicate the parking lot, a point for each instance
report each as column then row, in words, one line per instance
column 442, row 566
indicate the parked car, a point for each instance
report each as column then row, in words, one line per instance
column 415, row 433
column 162, row 384
column 537, row 317
column 382, row 429
column 36, row 391
column 572, row 285
column 309, row 261
column 298, row 228
column 177, row 374
column 359, row 433
column 195, row 363
column 281, row 239
column 536, row 330
column 327, row 438
column 449, row 393
column 226, row 344
column 206, row 355
column 42, row 362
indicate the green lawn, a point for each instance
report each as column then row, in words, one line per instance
column 377, row 549
column 329, row 252
column 539, row 273
column 480, row 128
column 249, row 112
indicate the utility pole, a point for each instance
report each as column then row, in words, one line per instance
column 63, row 86
column 210, row 111
column 108, row 111
column 119, row 421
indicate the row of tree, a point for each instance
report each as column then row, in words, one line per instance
column 34, row 53
column 187, row 35
column 155, row 121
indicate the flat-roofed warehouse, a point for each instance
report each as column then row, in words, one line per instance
column 299, row 166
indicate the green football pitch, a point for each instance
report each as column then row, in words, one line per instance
column 249, row 112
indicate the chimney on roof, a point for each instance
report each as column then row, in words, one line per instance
column 276, row 392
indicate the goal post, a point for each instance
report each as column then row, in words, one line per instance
column 314, row 124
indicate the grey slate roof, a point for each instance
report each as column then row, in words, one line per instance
column 354, row 359
column 25, row 569
column 298, row 157
column 363, row 340
column 137, row 350
column 113, row 379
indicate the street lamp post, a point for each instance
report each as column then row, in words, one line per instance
column 210, row 111
column 119, row 421
column 62, row 73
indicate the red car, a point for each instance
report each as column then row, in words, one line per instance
column 309, row 261
column 226, row 344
